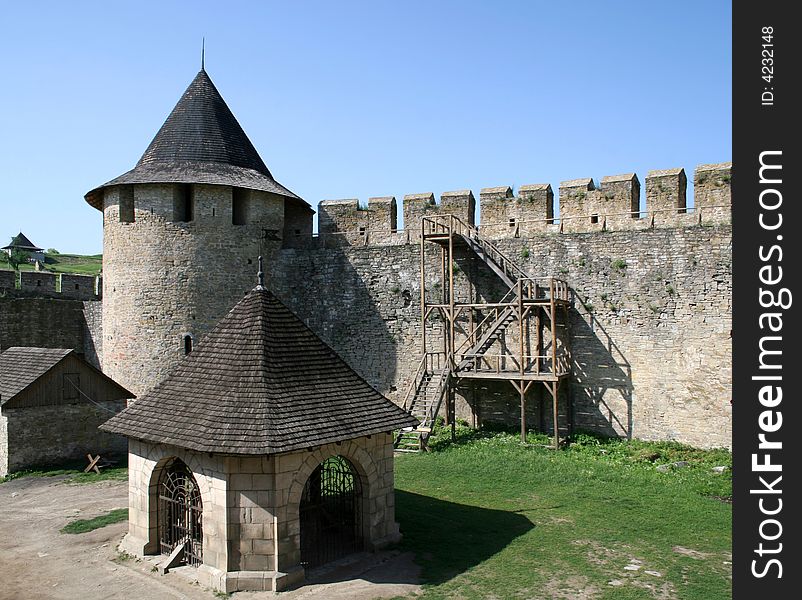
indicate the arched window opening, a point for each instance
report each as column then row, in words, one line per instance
column 331, row 513
column 187, row 343
column 180, row 513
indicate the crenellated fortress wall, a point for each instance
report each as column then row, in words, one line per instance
column 44, row 284
column 584, row 207
column 51, row 310
column 651, row 326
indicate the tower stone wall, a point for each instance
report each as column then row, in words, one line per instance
column 167, row 278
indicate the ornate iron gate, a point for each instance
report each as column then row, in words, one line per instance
column 331, row 513
column 180, row 512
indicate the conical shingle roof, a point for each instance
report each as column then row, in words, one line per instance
column 200, row 142
column 260, row 383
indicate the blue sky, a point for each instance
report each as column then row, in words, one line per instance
column 359, row 99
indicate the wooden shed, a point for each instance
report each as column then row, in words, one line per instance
column 51, row 403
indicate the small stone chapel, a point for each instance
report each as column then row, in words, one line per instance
column 262, row 455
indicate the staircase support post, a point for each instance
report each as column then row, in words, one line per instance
column 452, row 393
column 422, row 287
column 554, row 388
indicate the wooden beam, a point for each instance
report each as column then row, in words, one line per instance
column 423, row 312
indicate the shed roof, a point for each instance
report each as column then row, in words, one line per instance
column 22, row 366
column 21, row 242
column 200, row 142
column 260, row 383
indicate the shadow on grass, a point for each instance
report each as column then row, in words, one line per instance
column 445, row 538
column 464, row 435
column 449, row 538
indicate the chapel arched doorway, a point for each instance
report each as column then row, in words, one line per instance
column 180, row 512
column 331, row 513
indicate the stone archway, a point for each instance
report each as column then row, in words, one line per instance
column 180, row 512
column 331, row 512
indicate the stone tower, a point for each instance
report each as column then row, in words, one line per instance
column 181, row 235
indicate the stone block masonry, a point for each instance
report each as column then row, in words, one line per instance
column 651, row 328
column 8, row 280
column 172, row 275
column 50, row 435
column 251, row 507
column 52, row 323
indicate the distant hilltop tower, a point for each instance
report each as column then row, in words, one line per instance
column 181, row 235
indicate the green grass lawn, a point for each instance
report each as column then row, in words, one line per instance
column 63, row 263
column 86, row 525
column 75, row 474
column 490, row 518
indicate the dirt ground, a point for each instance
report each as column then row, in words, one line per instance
column 38, row 562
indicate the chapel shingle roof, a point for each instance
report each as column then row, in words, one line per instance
column 200, row 142
column 260, row 383
column 21, row 242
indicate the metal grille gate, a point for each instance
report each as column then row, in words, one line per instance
column 180, row 512
column 331, row 513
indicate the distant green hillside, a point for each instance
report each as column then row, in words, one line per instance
column 63, row 263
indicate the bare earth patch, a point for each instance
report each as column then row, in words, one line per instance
column 571, row 588
column 40, row 563
column 691, row 553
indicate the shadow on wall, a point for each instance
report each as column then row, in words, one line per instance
column 341, row 297
column 50, row 323
column 601, row 384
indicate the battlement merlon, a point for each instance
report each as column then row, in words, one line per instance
column 583, row 205
column 460, row 203
column 504, row 215
column 666, row 192
column 712, row 189
column 346, row 222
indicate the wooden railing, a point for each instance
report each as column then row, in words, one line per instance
column 447, row 224
column 508, row 363
column 429, row 363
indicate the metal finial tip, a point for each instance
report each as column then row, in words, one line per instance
column 260, row 276
column 203, row 54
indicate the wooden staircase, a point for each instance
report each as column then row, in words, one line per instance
column 470, row 358
column 430, row 385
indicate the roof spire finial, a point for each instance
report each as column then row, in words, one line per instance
column 203, row 53
column 260, row 276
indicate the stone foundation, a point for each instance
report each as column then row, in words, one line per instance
column 251, row 526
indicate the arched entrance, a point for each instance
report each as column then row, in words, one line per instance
column 331, row 513
column 180, row 512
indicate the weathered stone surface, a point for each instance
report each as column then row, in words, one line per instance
column 650, row 336
column 240, row 544
column 166, row 279
column 49, row 323
column 46, row 435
